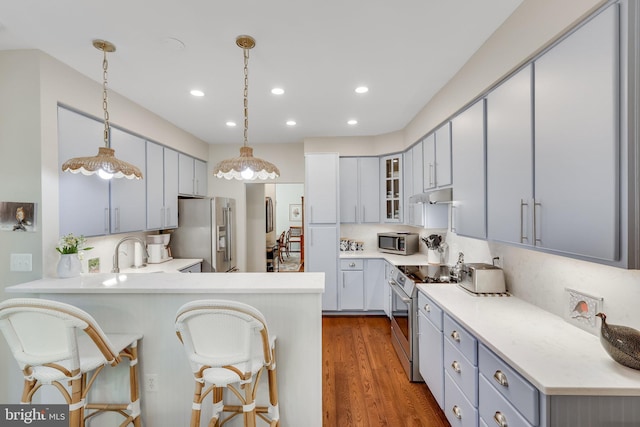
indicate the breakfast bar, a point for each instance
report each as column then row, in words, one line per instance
column 147, row 303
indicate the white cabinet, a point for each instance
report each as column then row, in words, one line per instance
column 510, row 160
column 352, row 284
column 437, row 158
column 192, row 174
column 391, row 170
column 577, row 142
column 128, row 196
column 89, row 205
column 430, row 346
column 359, row 190
column 162, row 187
column 468, row 141
column 321, row 221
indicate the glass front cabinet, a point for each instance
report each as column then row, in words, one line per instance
column 391, row 168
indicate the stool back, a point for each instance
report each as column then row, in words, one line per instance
column 41, row 331
column 219, row 333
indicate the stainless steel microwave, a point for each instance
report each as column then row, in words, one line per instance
column 398, row 243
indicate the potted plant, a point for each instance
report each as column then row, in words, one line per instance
column 70, row 247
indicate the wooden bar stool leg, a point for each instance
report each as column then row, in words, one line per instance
column 197, row 402
column 218, row 406
column 273, row 393
column 134, row 385
column 249, row 415
column 76, row 406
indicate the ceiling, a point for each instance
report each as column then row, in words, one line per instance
column 317, row 51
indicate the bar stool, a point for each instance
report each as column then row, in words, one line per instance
column 56, row 343
column 229, row 347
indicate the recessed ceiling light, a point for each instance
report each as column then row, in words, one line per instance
column 231, row 124
column 291, row 122
column 362, row 89
column 196, row 92
column 352, row 122
column 277, row 91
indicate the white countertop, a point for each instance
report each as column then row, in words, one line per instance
column 555, row 356
column 179, row 283
column 415, row 259
column 171, row 266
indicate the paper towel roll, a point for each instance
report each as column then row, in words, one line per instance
column 137, row 254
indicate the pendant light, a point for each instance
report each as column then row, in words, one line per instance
column 104, row 164
column 246, row 166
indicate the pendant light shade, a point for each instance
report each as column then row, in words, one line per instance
column 104, row 164
column 246, row 167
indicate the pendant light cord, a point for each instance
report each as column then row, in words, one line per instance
column 246, row 95
column 105, row 66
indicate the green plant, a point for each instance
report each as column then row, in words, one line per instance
column 71, row 244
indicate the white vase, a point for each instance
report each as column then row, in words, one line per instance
column 69, row 265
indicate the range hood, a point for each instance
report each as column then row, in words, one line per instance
column 432, row 197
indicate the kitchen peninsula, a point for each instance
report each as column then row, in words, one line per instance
column 147, row 303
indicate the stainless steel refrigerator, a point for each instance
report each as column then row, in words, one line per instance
column 206, row 229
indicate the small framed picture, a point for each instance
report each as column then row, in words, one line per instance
column 295, row 212
column 18, row 216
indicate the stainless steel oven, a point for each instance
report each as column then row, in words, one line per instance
column 404, row 322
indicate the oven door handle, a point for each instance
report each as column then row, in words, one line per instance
column 396, row 288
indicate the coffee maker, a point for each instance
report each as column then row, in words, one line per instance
column 158, row 248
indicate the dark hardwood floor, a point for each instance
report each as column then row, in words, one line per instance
column 363, row 382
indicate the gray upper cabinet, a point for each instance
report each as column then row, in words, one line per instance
column 90, row 205
column 510, row 160
column 321, row 188
column 162, row 187
column 468, row 142
column 577, row 142
column 84, row 200
column 193, row 178
column 128, row 196
column 359, row 190
column 437, row 158
column 391, row 171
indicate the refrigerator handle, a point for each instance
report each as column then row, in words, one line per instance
column 229, row 227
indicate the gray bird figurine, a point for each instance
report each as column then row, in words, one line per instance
column 621, row 342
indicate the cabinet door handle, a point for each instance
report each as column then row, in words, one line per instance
column 455, row 366
column 427, row 308
column 117, row 213
column 431, row 174
column 455, row 335
column 453, row 224
column 501, row 378
column 536, row 240
column 106, row 220
column 500, row 419
column 457, row 412
column 363, row 215
column 352, row 264
column 523, row 237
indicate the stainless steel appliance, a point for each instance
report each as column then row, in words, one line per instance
column 482, row 278
column 401, row 243
column 403, row 281
column 206, row 229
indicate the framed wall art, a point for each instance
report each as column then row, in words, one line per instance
column 18, row 216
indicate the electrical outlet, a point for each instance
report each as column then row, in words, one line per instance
column 151, row 382
column 21, row 262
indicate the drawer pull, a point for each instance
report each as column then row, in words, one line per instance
column 455, row 366
column 500, row 419
column 427, row 308
column 501, row 378
column 457, row 412
column 352, row 264
column 455, row 335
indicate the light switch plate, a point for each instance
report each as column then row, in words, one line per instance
column 21, row 262
column 581, row 309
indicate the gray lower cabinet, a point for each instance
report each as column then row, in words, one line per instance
column 196, row 268
column 362, row 285
column 430, row 346
column 321, row 255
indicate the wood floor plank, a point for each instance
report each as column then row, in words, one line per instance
column 364, row 384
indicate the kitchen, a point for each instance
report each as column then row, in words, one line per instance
column 536, row 277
